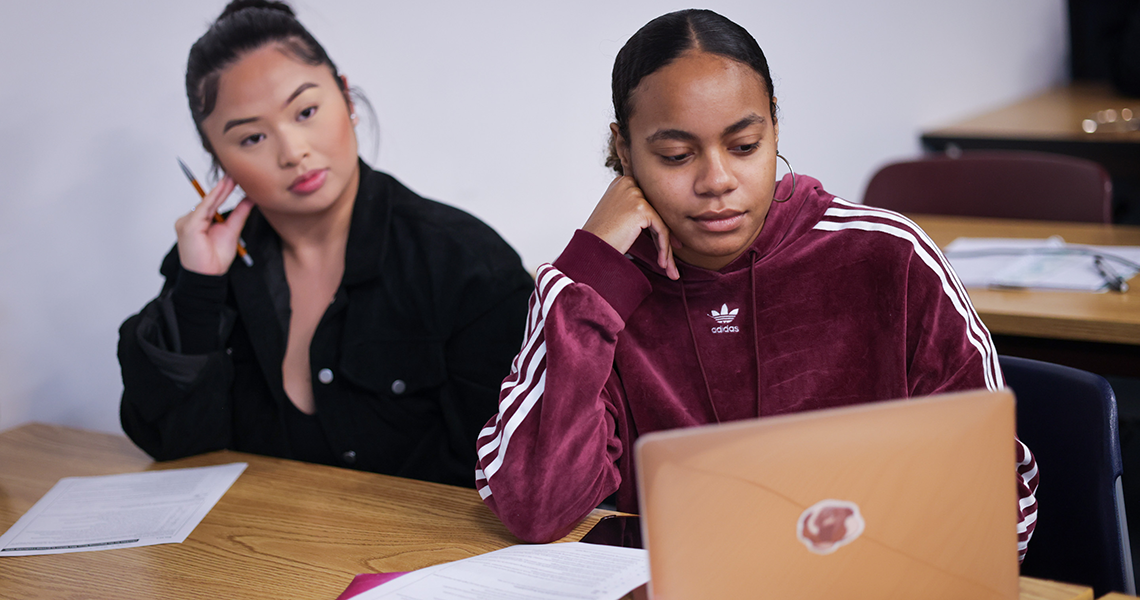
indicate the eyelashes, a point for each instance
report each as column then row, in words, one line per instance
column 253, row 139
column 676, row 159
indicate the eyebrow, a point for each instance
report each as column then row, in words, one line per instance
column 741, row 125
column 297, row 92
column 235, row 122
column 685, row 136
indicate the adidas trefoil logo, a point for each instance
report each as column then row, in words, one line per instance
column 724, row 317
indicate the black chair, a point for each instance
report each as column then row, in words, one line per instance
column 997, row 184
column 1067, row 417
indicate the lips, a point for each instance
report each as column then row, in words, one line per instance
column 721, row 221
column 310, row 182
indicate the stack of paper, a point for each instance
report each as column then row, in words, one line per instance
column 1035, row 263
column 81, row 514
column 550, row 571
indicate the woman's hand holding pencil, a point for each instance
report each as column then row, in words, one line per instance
column 205, row 245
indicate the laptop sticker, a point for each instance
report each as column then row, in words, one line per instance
column 829, row 525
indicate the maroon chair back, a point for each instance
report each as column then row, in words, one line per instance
column 1011, row 185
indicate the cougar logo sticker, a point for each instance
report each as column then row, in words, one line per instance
column 828, row 525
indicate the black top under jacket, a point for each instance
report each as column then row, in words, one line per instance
column 406, row 362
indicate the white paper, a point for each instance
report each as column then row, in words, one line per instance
column 1036, row 263
column 81, row 514
column 539, row 572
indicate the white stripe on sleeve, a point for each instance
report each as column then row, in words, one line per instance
column 976, row 324
column 521, row 391
column 976, row 332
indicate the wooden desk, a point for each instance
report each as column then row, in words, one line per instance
column 1095, row 332
column 285, row 529
column 1050, row 122
column 1054, row 115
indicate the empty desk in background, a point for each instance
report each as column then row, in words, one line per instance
column 1098, row 332
column 285, row 529
column 1051, row 122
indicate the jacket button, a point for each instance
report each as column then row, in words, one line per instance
column 325, row 376
column 349, row 457
column 230, row 351
column 399, row 386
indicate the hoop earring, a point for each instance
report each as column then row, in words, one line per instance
column 793, row 192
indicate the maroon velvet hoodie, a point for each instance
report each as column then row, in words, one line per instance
column 834, row 304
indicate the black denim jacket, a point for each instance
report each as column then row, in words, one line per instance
column 406, row 362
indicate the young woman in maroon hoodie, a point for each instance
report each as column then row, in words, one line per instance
column 700, row 290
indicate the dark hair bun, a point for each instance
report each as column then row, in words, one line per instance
column 240, row 5
column 245, row 26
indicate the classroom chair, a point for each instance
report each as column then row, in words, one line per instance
column 1067, row 417
column 998, row 184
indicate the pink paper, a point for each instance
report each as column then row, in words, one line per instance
column 366, row 581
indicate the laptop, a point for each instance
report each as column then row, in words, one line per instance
column 902, row 499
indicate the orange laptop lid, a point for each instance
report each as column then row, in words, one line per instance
column 904, row 499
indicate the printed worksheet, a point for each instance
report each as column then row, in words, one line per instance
column 81, row 514
column 552, row 571
column 1049, row 264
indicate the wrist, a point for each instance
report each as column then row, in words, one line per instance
column 591, row 260
column 200, row 268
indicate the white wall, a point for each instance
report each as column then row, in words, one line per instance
column 500, row 108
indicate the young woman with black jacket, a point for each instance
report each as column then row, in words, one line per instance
column 373, row 327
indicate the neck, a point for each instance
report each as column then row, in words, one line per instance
column 317, row 235
column 710, row 263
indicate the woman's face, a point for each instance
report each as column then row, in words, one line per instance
column 282, row 129
column 702, row 147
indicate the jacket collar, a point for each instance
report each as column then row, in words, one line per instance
column 368, row 234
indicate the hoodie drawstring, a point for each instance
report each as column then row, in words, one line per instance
column 697, row 351
column 752, row 304
column 789, row 224
column 755, row 323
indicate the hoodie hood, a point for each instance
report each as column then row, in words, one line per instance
column 785, row 222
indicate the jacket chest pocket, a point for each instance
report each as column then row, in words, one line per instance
column 395, row 368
